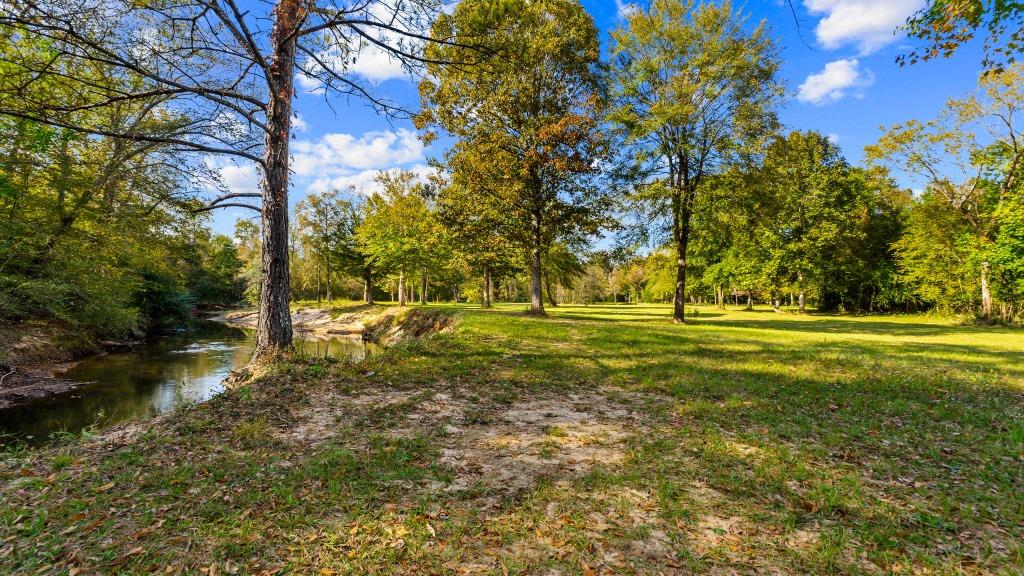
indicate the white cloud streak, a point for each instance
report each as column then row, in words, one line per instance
column 834, row 82
column 869, row 25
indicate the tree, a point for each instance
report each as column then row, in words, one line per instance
column 813, row 209
column 946, row 25
column 525, row 122
column 970, row 160
column 561, row 264
column 223, row 80
column 351, row 257
column 692, row 91
column 400, row 231
column 320, row 219
column 475, row 230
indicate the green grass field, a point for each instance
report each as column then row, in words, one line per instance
column 600, row 440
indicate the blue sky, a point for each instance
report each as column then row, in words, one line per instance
column 839, row 68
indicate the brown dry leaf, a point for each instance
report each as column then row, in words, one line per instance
column 587, row 570
column 105, row 487
column 74, row 570
column 327, row 572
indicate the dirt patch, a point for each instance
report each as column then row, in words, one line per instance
column 398, row 325
column 493, row 453
column 315, row 321
column 534, row 439
column 381, row 325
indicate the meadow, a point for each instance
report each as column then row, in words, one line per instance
column 602, row 439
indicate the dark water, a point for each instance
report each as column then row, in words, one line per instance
column 154, row 378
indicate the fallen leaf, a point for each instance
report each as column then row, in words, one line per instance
column 105, row 487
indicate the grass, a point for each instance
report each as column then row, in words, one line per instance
column 600, row 440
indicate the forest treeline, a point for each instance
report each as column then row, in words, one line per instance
column 655, row 171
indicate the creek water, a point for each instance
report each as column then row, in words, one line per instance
column 166, row 371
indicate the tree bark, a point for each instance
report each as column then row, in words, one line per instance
column 681, row 231
column 330, row 298
column 536, row 297
column 423, row 289
column 318, row 283
column 487, row 287
column 367, row 288
column 800, row 299
column 986, row 294
column 401, row 288
column 274, row 329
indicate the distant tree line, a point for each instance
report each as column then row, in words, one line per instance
column 669, row 151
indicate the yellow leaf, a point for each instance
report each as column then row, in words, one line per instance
column 105, row 487
column 327, row 572
column 354, row 529
column 430, row 529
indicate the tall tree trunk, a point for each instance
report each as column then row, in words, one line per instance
column 274, row 329
column 986, row 295
column 330, row 298
column 547, row 288
column 367, row 288
column 401, row 288
column 681, row 231
column 423, row 288
column 800, row 298
column 536, row 297
column 750, row 300
column 487, row 287
column 318, row 283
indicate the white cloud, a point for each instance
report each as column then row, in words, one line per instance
column 299, row 123
column 624, row 9
column 867, row 24
column 363, row 181
column 834, row 82
column 234, row 177
column 363, row 57
column 833, row 137
column 337, row 153
column 376, row 65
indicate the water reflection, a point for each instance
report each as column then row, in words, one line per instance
column 154, row 378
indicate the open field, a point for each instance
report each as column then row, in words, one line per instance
column 601, row 440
